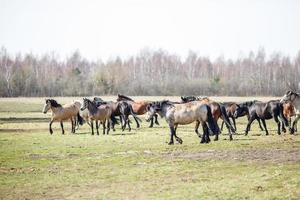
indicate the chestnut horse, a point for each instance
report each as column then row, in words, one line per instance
column 139, row 107
column 289, row 112
column 63, row 113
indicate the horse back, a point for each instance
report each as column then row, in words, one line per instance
column 186, row 113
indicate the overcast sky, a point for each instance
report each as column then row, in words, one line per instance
column 104, row 29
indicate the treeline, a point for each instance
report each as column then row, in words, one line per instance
column 148, row 73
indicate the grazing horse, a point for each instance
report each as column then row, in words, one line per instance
column 139, row 107
column 101, row 113
column 182, row 114
column 294, row 98
column 62, row 113
column 218, row 111
column 122, row 109
column 262, row 111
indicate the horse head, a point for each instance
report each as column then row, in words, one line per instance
column 85, row 104
column 50, row 103
column 289, row 96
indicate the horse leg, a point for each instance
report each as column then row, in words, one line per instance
column 222, row 125
column 278, row 124
column 92, row 126
column 172, row 131
column 137, row 123
column 265, row 126
column 229, row 132
column 124, row 122
column 261, row 128
column 129, row 128
column 50, row 129
column 205, row 136
column 178, row 139
column 294, row 126
column 62, row 127
column 108, row 127
column 234, row 124
column 97, row 127
column 156, row 121
column 283, row 129
column 217, row 135
column 103, row 125
column 196, row 128
column 151, row 123
column 72, row 126
column 251, row 119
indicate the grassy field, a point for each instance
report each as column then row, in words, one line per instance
column 139, row 164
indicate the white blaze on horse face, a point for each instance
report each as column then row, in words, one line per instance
column 46, row 108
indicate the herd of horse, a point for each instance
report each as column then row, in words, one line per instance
column 200, row 110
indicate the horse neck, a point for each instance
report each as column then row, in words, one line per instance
column 164, row 110
column 55, row 109
column 92, row 108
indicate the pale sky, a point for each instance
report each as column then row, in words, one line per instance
column 105, row 29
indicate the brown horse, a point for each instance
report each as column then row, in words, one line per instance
column 230, row 109
column 63, row 113
column 101, row 113
column 218, row 111
column 139, row 107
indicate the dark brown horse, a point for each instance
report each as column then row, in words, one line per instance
column 139, row 107
column 263, row 111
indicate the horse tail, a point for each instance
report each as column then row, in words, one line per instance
column 134, row 114
column 79, row 119
column 225, row 117
column 281, row 115
column 212, row 124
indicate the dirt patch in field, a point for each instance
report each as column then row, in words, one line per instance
column 259, row 155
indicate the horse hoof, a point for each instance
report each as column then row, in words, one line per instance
column 170, row 143
column 179, row 140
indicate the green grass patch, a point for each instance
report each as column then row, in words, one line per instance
column 140, row 165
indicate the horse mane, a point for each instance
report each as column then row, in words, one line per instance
column 125, row 97
column 54, row 103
